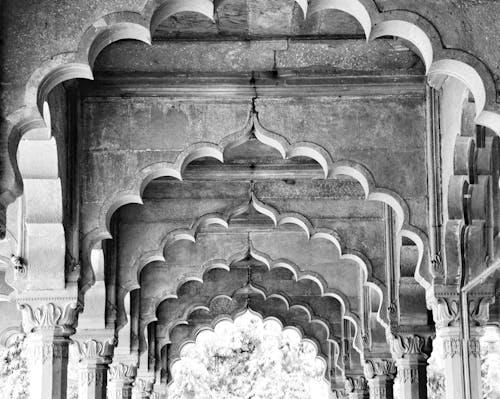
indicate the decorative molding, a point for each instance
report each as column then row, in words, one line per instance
column 49, row 316
column 146, row 85
column 356, row 383
column 408, row 374
column 475, row 347
column 451, row 346
column 40, row 353
column 380, row 367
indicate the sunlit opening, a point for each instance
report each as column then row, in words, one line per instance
column 249, row 358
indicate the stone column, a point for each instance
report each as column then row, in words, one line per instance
column 356, row 387
column 94, row 357
column 461, row 348
column 120, row 379
column 380, row 374
column 142, row 387
column 48, row 327
column 411, row 366
column 453, row 362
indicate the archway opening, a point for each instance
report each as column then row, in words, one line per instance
column 249, row 357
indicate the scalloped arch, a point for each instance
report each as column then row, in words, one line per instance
column 225, row 264
column 66, row 66
column 210, row 327
column 172, row 7
column 311, row 318
column 363, row 11
column 289, row 304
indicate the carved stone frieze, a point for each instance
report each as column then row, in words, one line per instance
column 380, row 367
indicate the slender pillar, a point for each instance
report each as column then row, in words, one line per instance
column 120, row 379
column 380, row 374
column 48, row 327
column 411, row 366
column 357, row 387
column 453, row 362
column 461, row 347
column 94, row 357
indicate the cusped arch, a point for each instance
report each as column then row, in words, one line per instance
column 288, row 303
column 477, row 78
column 298, row 275
column 283, row 324
column 237, row 308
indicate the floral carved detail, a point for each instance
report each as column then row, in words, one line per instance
column 409, row 375
column 451, row 346
column 48, row 316
column 479, row 310
column 377, row 367
column 475, row 347
column 358, row 383
column 446, row 312
column 93, row 349
column 41, row 353
column 407, row 345
column 120, row 371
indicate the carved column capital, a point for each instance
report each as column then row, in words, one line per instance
column 380, row 367
column 446, row 311
column 49, row 316
column 121, row 371
column 356, row 383
column 408, row 345
column 93, row 349
column 479, row 310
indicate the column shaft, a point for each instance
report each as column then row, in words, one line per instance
column 381, row 387
column 412, row 377
column 47, row 363
column 92, row 377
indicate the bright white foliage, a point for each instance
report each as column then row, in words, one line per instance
column 249, row 358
